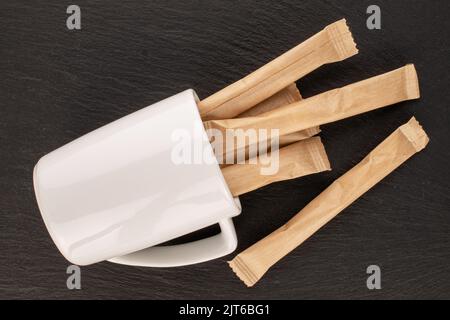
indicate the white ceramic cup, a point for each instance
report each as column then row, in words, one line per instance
column 115, row 193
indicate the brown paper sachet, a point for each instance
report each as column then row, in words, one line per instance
column 296, row 160
column 251, row 264
column 288, row 95
column 370, row 94
column 246, row 149
column 287, row 139
column 332, row 44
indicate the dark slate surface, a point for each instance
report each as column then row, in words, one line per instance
column 57, row 85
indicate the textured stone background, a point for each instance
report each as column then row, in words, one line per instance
column 56, row 85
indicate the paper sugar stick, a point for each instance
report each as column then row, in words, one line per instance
column 296, row 160
column 332, row 44
column 286, row 96
column 380, row 91
column 298, row 136
column 251, row 264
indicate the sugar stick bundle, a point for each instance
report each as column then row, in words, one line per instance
column 288, row 95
